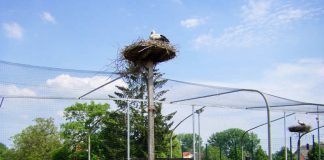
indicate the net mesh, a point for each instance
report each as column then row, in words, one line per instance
column 28, row 92
column 26, row 81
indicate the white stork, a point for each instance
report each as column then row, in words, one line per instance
column 301, row 123
column 158, row 37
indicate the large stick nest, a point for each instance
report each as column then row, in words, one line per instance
column 300, row 128
column 143, row 51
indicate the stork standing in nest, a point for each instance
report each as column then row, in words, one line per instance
column 158, row 37
column 301, row 123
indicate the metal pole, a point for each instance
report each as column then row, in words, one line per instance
column 220, row 152
column 269, row 126
column 206, row 152
column 199, row 157
column 193, row 133
column 290, row 153
column 199, row 110
column 318, row 136
column 285, row 136
column 151, row 109
column 241, row 90
column 298, row 145
column 313, row 139
column 128, row 132
column 258, row 127
column 181, row 150
column 89, row 146
column 252, row 148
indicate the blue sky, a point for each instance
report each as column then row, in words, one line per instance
column 226, row 39
column 273, row 45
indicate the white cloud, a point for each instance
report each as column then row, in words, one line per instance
column 13, row 30
column 301, row 80
column 47, row 17
column 261, row 22
column 12, row 90
column 76, row 86
column 192, row 22
column 256, row 10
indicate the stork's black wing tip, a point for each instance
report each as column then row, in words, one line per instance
column 164, row 39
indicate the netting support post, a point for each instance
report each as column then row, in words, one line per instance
column 269, row 124
column 151, row 110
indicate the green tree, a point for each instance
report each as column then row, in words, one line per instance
column 36, row 142
column 3, row 149
column 260, row 154
column 176, row 149
column 112, row 142
column 230, row 141
column 280, row 155
column 186, row 141
column 213, row 153
column 313, row 153
column 83, row 120
column 136, row 88
column 8, row 154
column 61, row 153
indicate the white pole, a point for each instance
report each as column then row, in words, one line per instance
column 128, row 131
column 318, row 136
column 285, row 135
column 193, row 133
column 199, row 136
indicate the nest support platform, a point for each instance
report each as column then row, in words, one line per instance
column 143, row 51
column 300, row 128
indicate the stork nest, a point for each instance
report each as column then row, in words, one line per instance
column 143, row 51
column 300, row 128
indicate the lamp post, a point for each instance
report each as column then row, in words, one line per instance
column 242, row 155
column 199, row 142
column 193, row 133
column 176, row 128
column 91, row 129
